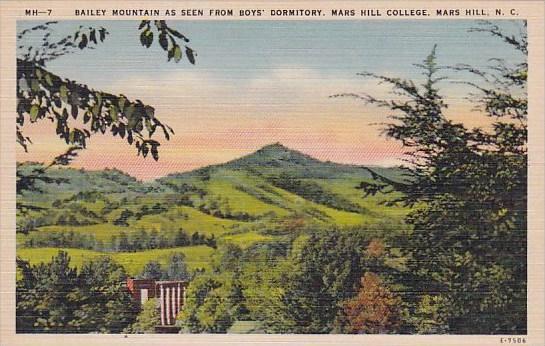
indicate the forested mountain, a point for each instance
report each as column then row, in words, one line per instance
column 273, row 192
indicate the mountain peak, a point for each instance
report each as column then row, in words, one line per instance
column 274, row 155
column 277, row 149
column 274, row 146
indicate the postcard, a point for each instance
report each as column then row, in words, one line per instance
column 296, row 173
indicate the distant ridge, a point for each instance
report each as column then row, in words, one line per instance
column 270, row 159
column 276, row 158
column 273, row 155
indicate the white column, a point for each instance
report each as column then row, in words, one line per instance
column 184, row 295
column 178, row 296
column 162, row 305
column 167, row 310
column 173, row 303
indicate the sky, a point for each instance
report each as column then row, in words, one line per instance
column 262, row 82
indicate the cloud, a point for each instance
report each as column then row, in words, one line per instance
column 218, row 116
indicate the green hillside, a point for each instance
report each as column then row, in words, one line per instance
column 268, row 195
column 198, row 257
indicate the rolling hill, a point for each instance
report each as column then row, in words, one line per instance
column 268, row 195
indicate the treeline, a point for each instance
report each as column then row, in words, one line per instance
column 324, row 282
column 143, row 240
column 68, row 239
column 123, row 219
column 175, row 269
column 55, row 297
column 314, row 192
column 136, row 241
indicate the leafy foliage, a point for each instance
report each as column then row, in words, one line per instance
column 374, row 310
column 322, row 271
column 468, row 244
column 313, row 192
column 54, row 298
column 167, row 38
column 176, row 269
column 147, row 319
column 215, row 300
column 42, row 94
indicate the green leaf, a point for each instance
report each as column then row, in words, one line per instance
column 143, row 38
column 74, row 111
column 102, row 33
column 131, row 117
column 34, row 112
column 92, row 36
column 113, row 113
column 150, row 111
column 63, row 91
column 163, row 41
column 154, row 152
column 142, row 24
column 148, row 125
column 146, row 38
column 129, row 111
column 83, row 43
column 48, row 79
column 177, row 53
column 121, row 103
column 96, row 110
column 190, row 56
column 34, row 85
column 160, row 24
column 145, row 149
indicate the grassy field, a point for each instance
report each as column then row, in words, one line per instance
column 239, row 202
column 189, row 219
column 133, row 262
column 244, row 240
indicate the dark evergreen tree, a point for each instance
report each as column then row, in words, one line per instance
column 123, row 243
column 181, row 238
column 152, row 270
column 177, row 268
column 53, row 298
column 468, row 187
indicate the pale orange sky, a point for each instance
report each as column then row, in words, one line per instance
column 232, row 102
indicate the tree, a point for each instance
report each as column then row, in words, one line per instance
column 374, row 310
column 124, row 244
column 322, row 271
column 105, row 303
column 44, row 95
column 152, row 270
column 181, row 238
column 44, row 295
column 140, row 240
column 177, row 268
column 53, row 298
column 468, row 189
column 123, row 219
column 227, row 259
column 212, row 304
column 215, row 300
column 147, row 319
column 153, row 239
